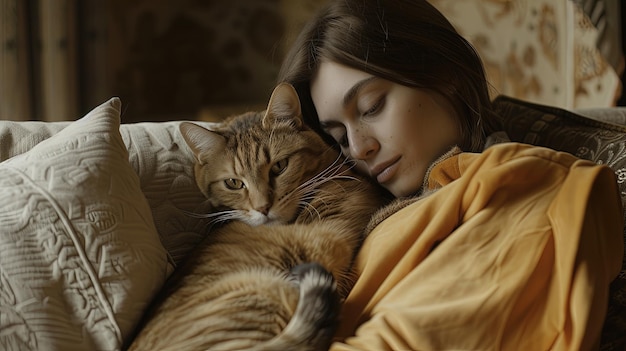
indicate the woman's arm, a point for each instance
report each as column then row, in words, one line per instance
column 516, row 251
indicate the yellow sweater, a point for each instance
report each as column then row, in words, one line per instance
column 514, row 252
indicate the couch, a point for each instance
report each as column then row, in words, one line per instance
column 95, row 215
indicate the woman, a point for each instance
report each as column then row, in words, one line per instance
column 513, row 248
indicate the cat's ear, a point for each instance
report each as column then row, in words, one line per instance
column 201, row 140
column 284, row 105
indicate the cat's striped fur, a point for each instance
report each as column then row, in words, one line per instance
column 271, row 277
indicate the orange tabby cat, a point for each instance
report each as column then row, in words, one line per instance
column 272, row 275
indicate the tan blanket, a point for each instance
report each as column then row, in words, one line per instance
column 516, row 252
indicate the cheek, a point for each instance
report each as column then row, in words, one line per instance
column 400, row 131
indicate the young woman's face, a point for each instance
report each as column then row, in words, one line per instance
column 393, row 131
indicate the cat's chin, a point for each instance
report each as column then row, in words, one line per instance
column 255, row 218
column 260, row 219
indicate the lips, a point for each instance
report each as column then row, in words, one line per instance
column 385, row 171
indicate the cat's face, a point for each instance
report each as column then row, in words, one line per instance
column 259, row 166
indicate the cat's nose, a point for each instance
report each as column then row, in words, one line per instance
column 264, row 209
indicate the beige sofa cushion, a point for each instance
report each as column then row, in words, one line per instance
column 160, row 157
column 80, row 258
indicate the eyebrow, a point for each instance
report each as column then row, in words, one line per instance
column 347, row 98
column 351, row 93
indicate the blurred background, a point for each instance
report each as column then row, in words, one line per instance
column 205, row 59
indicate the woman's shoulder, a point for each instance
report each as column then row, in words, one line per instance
column 502, row 158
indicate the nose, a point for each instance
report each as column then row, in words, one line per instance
column 264, row 209
column 362, row 144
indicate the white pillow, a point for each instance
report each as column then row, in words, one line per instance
column 165, row 165
column 80, row 257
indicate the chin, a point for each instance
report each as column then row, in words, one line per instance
column 399, row 191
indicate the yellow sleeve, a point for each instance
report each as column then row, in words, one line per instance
column 515, row 252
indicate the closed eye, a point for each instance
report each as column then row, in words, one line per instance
column 375, row 108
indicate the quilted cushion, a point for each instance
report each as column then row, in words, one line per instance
column 80, row 257
column 603, row 143
column 165, row 165
column 160, row 157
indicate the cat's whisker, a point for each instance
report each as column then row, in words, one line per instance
column 347, row 177
column 209, row 215
column 310, row 209
column 336, row 166
column 329, row 170
column 221, row 219
column 308, row 198
column 320, row 178
column 341, row 166
column 331, row 173
column 306, row 194
column 305, row 207
column 216, row 218
column 322, row 198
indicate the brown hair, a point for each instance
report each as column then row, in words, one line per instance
column 408, row 42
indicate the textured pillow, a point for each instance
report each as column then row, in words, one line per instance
column 159, row 156
column 79, row 254
column 165, row 166
column 590, row 139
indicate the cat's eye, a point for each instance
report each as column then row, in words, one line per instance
column 234, row 184
column 279, row 167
